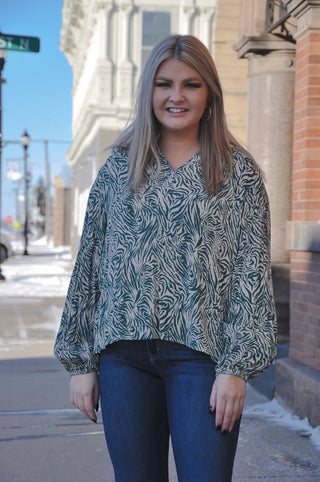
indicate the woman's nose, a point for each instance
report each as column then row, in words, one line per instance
column 176, row 94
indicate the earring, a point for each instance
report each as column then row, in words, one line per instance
column 207, row 113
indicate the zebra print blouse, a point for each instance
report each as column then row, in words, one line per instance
column 174, row 263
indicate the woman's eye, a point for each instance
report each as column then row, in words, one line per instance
column 192, row 85
column 162, row 84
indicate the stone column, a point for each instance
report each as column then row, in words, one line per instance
column 269, row 134
column 205, row 25
column 186, row 13
column 104, row 14
column 105, row 65
column 271, row 67
column 125, row 66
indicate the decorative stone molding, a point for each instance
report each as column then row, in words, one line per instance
column 186, row 14
column 204, row 32
column 72, row 21
column 307, row 13
column 296, row 7
column 262, row 44
column 281, row 60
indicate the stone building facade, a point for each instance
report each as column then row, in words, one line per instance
column 106, row 43
column 281, row 40
column 62, row 213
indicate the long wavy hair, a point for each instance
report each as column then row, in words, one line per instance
column 141, row 136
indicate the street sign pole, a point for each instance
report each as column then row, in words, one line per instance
column 19, row 43
column 2, row 62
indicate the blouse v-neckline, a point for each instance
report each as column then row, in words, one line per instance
column 194, row 157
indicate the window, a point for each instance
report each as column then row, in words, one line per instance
column 155, row 25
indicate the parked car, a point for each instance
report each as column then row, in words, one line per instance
column 5, row 246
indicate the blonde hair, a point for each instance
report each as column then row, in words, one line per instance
column 140, row 138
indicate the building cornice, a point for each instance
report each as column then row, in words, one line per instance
column 307, row 13
column 266, row 42
column 73, row 13
column 93, row 118
column 78, row 22
column 296, row 7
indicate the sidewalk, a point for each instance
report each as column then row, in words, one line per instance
column 44, row 439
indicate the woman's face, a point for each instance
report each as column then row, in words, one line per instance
column 179, row 98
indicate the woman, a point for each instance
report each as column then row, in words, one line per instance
column 170, row 307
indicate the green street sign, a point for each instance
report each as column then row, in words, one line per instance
column 19, row 42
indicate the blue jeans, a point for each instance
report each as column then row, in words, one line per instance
column 151, row 388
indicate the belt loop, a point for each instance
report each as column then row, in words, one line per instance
column 154, row 349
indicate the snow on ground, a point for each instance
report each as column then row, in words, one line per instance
column 44, row 273
column 280, row 415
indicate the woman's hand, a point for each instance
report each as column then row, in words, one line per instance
column 227, row 399
column 84, row 393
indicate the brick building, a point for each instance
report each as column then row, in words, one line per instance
column 281, row 40
column 299, row 376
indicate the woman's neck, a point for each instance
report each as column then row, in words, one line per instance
column 178, row 150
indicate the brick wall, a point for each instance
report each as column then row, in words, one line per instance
column 305, row 308
column 305, row 265
column 306, row 157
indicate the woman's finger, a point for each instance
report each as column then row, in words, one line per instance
column 228, row 395
column 220, row 411
column 84, row 393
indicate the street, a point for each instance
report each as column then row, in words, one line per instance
column 43, row 438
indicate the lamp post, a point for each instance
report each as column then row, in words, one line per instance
column 3, row 54
column 25, row 139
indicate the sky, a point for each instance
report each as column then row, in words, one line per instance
column 36, row 95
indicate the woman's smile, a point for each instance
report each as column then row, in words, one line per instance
column 173, row 110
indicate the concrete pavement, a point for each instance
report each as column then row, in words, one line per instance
column 44, row 439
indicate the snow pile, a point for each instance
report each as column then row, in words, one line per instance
column 279, row 415
column 44, row 273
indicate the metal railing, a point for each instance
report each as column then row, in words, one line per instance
column 276, row 19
